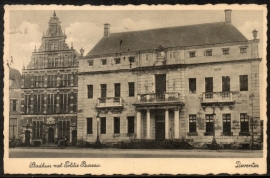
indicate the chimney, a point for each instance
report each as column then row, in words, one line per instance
column 106, row 30
column 228, row 15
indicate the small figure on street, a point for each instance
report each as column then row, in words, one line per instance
column 65, row 141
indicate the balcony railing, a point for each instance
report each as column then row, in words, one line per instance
column 217, row 97
column 110, row 102
column 158, row 97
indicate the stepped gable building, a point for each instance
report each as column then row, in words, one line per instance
column 187, row 82
column 49, row 90
column 15, row 82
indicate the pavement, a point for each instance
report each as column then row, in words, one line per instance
column 74, row 152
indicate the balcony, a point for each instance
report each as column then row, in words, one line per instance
column 218, row 98
column 109, row 103
column 168, row 98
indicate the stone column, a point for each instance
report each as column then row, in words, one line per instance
column 176, row 123
column 148, row 124
column 138, row 124
column 167, row 129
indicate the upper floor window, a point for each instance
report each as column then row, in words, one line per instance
column 90, row 63
column 90, row 91
column 54, row 46
column 38, row 81
column 192, row 85
column 172, row 54
column 27, row 103
column 38, row 103
column 243, row 49
column 226, row 51
column 131, row 59
column 104, row 61
column 243, row 79
column 192, row 54
column 208, row 53
column 117, row 60
column 103, row 88
column 65, row 79
column 225, row 83
column 146, row 57
column 52, row 80
column 52, row 62
column 13, row 104
column 131, row 89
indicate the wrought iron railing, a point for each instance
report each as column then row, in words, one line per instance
column 158, row 97
column 109, row 101
column 217, row 97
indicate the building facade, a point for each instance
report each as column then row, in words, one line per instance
column 49, row 90
column 195, row 82
column 14, row 103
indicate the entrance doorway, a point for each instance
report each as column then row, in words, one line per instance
column 50, row 135
column 27, row 137
column 160, row 127
column 74, row 137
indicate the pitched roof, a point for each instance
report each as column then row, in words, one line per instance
column 180, row 36
column 15, row 76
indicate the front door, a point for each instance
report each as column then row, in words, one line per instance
column 27, row 137
column 160, row 127
column 51, row 135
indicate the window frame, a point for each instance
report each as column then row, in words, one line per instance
column 244, row 120
column 117, row 60
column 90, row 91
column 102, row 125
column 225, row 51
column 89, row 125
column 242, row 85
column 90, row 62
column 209, row 123
column 226, row 84
column 226, row 122
column 116, row 125
column 192, row 86
column 208, row 52
column 131, row 124
column 103, row 62
column 192, row 123
column 192, row 54
column 131, row 91
column 103, row 90
column 243, row 49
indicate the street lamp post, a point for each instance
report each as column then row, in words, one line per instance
column 214, row 145
column 98, row 143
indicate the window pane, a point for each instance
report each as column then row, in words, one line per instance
column 243, row 79
column 131, row 88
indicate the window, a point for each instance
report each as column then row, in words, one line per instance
column 90, row 63
column 192, row 123
column 209, row 123
column 226, row 123
column 75, row 100
column 52, row 80
column 65, row 79
column 192, row 54
column 116, row 125
column 172, row 54
column 146, row 57
column 103, row 90
column 243, row 50
column 117, row 60
column 243, row 82
column 209, row 87
column 38, row 81
column 12, row 127
column 225, row 83
column 244, row 124
column 131, row 59
column 64, row 103
column 38, row 101
column 103, row 61
column 63, row 129
column 37, row 129
column 27, row 103
column 131, row 124
column 208, row 53
column 117, row 90
column 90, row 91
column 51, row 103
column 103, row 125
column 192, row 85
column 89, row 125
column 13, row 105
column 226, row 51
column 131, row 89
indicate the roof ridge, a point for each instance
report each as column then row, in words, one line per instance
column 169, row 27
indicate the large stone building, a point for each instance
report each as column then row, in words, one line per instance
column 192, row 82
column 49, row 90
column 14, row 103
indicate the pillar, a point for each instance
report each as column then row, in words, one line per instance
column 138, row 124
column 148, row 124
column 176, row 123
column 167, row 129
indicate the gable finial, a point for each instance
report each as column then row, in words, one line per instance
column 54, row 14
column 71, row 45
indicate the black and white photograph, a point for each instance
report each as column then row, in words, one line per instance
column 135, row 89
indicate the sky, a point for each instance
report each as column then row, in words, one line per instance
column 84, row 28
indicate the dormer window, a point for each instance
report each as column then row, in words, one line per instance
column 208, row 52
column 226, row 51
column 117, row 60
column 103, row 61
column 243, row 49
column 90, row 63
column 172, row 55
column 192, row 54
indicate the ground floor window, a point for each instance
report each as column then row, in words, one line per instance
column 103, row 125
column 131, row 124
column 116, row 125
column 192, row 123
column 37, row 129
column 89, row 125
column 244, row 124
column 63, row 129
column 226, row 123
column 209, row 123
column 12, row 127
